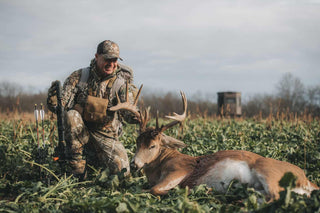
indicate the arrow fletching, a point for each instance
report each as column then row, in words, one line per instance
column 36, row 112
column 41, row 112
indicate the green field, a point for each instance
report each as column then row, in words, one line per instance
column 28, row 184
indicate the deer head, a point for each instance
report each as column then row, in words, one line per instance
column 152, row 140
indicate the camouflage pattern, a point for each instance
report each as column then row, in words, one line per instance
column 101, row 149
column 109, row 49
column 102, row 138
column 52, row 101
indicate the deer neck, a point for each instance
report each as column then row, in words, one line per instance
column 164, row 155
column 171, row 156
column 167, row 154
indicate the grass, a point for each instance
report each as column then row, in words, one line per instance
column 31, row 184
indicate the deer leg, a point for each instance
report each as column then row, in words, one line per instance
column 170, row 181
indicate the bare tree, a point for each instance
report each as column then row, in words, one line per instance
column 9, row 89
column 291, row 96
column 12, row 97
column 313, row 98
column 264, row 104
column 313, row 95
column 291, row 92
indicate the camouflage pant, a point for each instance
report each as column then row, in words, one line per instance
column 100, row 149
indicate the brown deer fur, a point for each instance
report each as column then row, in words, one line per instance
column 165, row 167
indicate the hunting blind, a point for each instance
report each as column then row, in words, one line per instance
column 229, row 104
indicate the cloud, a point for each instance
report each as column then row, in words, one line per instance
column 171, row 45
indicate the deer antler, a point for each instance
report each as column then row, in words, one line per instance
column 177, row 118
column 143, row 119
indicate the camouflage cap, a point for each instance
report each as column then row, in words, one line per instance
column 108, row 49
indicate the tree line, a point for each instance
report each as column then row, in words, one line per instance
column 291, row 97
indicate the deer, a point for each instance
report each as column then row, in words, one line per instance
column 165, row 167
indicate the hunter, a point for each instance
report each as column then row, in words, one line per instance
column 91, row 129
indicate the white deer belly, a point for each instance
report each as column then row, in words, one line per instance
column 222, row 173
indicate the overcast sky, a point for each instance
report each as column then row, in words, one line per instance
column 201, row 47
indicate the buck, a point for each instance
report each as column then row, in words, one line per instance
column 166, row 168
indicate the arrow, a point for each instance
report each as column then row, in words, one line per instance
column 36, row 116
column 42, row 119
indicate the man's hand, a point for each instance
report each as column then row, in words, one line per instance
column 52, row 97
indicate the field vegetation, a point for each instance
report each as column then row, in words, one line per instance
column 283, row 126
column 30, row 181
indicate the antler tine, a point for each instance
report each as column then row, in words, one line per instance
column 127, row 91
column 118, row 99
column 127, row 105
column 138, row 94
column 144, row 119
column 177, row 118
column 157, row 120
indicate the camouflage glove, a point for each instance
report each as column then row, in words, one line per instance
column 52, row 101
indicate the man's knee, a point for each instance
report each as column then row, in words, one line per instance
column 75, row 127
column 114, row 156
column 121, row 163
column 74, row 119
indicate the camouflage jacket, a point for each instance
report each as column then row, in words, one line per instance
column 75, row 93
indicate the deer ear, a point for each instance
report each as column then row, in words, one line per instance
column 171, row 142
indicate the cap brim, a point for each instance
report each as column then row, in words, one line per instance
column 110, row 57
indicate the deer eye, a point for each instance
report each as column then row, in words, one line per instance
column 151, row 147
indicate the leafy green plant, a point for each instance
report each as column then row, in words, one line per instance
column 30, row 184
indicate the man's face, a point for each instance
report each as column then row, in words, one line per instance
column 106, row 67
